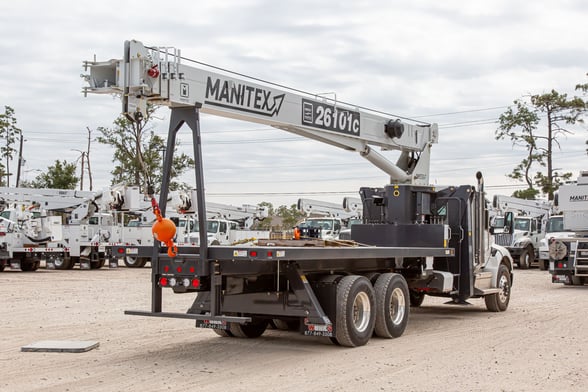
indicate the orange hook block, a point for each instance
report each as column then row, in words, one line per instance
column 164, row 230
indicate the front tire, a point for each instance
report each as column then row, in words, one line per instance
column 526, row 258
column 498, row 302
column 62, row 262
column 135, row 262
column 355, row 311
column 392, row 299
column 30, row 264
column 97, row 264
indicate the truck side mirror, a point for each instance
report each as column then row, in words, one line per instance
column 508, row 222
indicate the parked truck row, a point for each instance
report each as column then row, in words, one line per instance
column 67, row 227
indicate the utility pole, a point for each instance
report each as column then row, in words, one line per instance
column 7, row 164
column 19, row 162
column 88, row 157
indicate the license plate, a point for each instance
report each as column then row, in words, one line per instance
column 561, row 278
column 212, row 324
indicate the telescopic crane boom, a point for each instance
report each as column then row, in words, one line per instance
column 158, row 76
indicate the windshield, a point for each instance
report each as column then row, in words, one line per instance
column 498, row 222
column 555, row 224
column 323, row 224
column 521, row 224
column 211, row 226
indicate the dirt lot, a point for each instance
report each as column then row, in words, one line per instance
column 539, row 344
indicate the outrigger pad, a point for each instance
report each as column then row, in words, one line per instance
column 61, row 346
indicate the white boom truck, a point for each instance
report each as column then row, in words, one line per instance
column 135, row 220
column 420, row 239
column 553, row 229
column 73, row 236
column 530, row 218
column 327, row 219
column 568, row 255
column 226, row 224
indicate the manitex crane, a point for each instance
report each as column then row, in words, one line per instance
column 420, row 239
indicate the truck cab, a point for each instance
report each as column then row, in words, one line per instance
column 553, row 230
column 225, row 232
column 523, row 243
column 329, row 228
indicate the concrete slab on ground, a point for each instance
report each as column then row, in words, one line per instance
column 61, row 346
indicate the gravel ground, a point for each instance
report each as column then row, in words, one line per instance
column 539, row 344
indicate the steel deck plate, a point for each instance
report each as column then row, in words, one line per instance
column 61, row 346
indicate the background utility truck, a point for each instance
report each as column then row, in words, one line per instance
column 226, row 224
column 568, row 255
column 421, row 240
column 553, row 229
column 60, row 226
column 329, row 219
column 530, row 217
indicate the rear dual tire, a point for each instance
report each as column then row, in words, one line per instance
column 392, row 305
column 363, row 309
column 356, row 314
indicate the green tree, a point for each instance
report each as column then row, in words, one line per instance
column 8, row 134
column 521, row 125
column 290, row 216
column 584, row 89
column 138, row 153
column 61, row 175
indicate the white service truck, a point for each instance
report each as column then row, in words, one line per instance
column 530, row 218
column 226, row 225
column 568, row 252
column 553, row 230
column 328, row 220
column 53, row 224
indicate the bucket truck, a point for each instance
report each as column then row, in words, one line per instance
column 52, row 224
column 329, row 219
column 226, row 224
column 530, row 219
column 416, row 239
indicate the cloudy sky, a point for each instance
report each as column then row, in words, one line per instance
column 459, row 64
